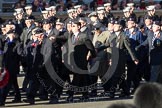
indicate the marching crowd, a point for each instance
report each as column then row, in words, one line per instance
column 74, row 45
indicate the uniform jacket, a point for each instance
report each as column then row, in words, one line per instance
column 11, row 57
column 155, row 54
column 80, row 49
column 121, row 42
column 26, row 35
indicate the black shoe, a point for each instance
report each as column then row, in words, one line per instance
column 93, row 94
column 43, row 97
column 53, row 100
column 111, row 95
column 70, row 99
column 16, row 100
column 84, row 98
column 24, row 89
column 2, row 104
column 11, row 93
column 30, row 101
column 124, row 95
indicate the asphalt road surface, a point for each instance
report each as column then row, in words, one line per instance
column 95, row 102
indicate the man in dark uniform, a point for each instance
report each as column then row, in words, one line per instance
column 27, row 31
column 19, row 21
column 144, row 67
column 85, row 27
column 81, row 45
column 52, row 47
column 119, row 41
column 151, row 12
column 45, row 14
column 155, row 50
column 94, row 21
column 11, row 64
column 2, row 39
column 127, row 14
column 48, row 28
column 102, row 18
column 25, row 38
column 34, row 63
column 108, row 10
column 52, row 14
column 148, row 25
column 136, row 38
column 28, row 10
column 70, row 15
column 79, row 10
column 133, row 15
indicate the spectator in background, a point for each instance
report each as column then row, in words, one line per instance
column 142, row 4
column 151, row 2
column 123, row 4
column 52, row 2
column 114, row 4
column 59, row 8
column 20, row 4
column 80, row 2
column 69, row 4
column 37, row 6
column 61, row 2
column 17, row 5
column 93, row 5
column 99, row 2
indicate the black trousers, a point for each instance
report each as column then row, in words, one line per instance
column 12, row 82
column 80, row 80
column 132, row 75
column 36, row 83
column 33, row 88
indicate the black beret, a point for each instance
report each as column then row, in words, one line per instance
column 97, row 26
column 29, row 18
column 148, row 17
column 69, row 22
column 118, row 21
column 75, row 22
column 9, row 22
column 59, row 21
column 46, row 21
column 38, row 31
column 2, row 26
column 83, row 19
column 141, row 25
column 157, row 23
column 38, row 20
column 111, row 20
column 130, row 19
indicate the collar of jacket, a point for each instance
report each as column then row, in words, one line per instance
column 83, row 29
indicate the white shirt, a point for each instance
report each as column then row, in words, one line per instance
column 76, row 34
column 131, row 30
column 117, row 33
column 149, row 27
column 48, row 32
